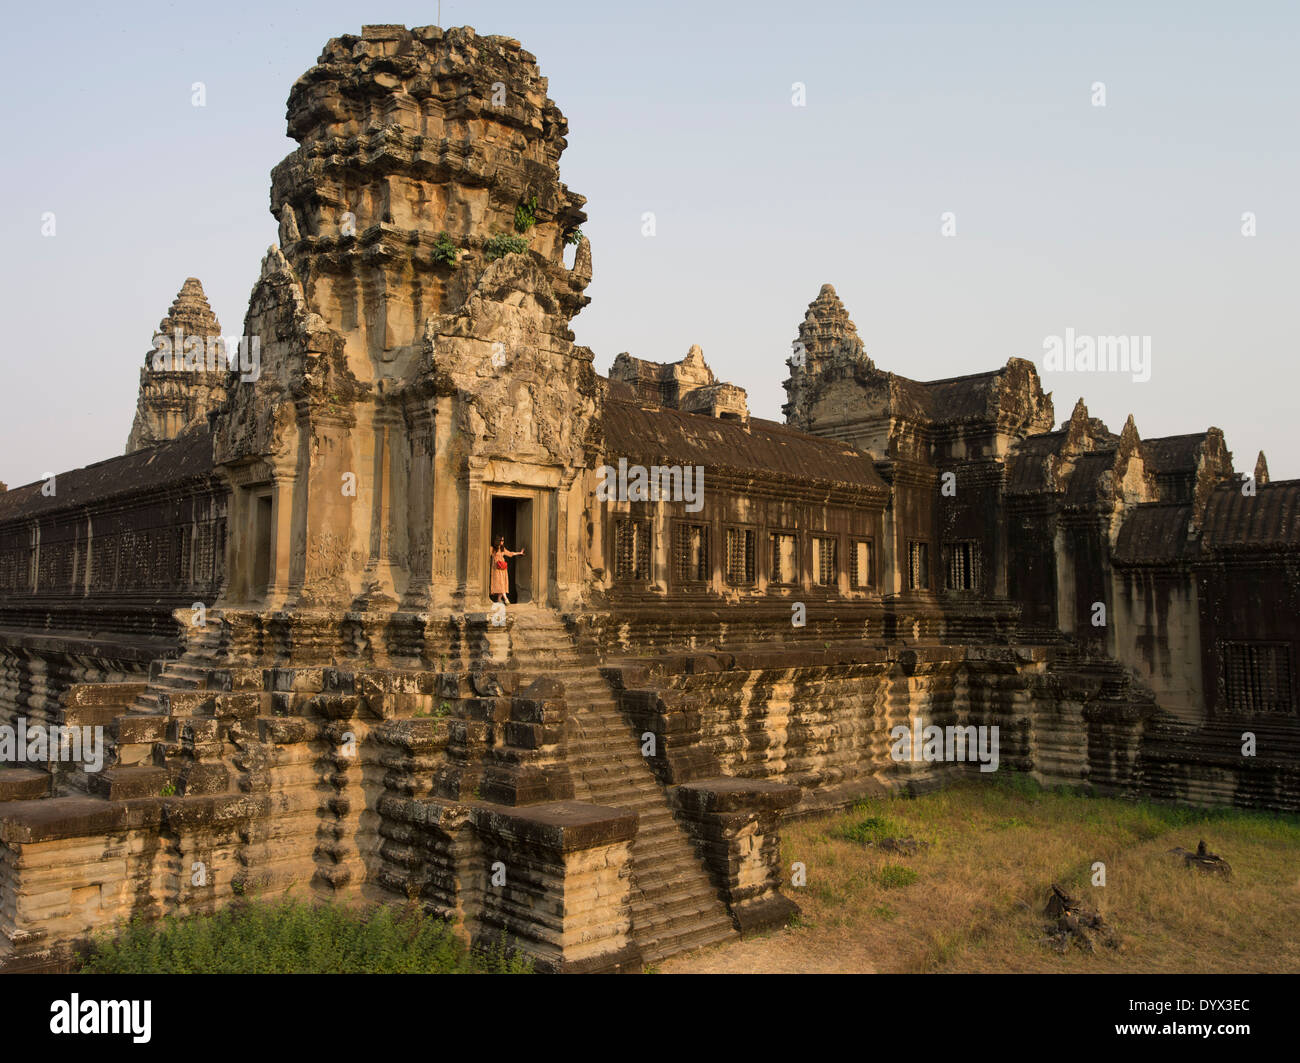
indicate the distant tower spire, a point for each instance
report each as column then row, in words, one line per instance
column 1261, row 469
column 828, row 347
column 184, row 374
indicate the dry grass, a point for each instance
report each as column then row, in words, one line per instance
column 972, row 900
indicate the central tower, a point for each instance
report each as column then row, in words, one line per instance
column 418, row 367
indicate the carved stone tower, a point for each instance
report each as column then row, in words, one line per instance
column 828, row 350
column 184, row 375
column 420, row 387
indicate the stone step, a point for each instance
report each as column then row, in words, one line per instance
column 675, row 907
column 589, row 740
column 91, row 715
column 617, row 799
column 186, row 702
column 616, row 786
column 663, row 904
column 603, row 776
column 140, row 728
column 124, row 783
column 662, row 873
column 665, row 861
column 24, row 784
column 92, row 695
column 687, row 938
column 589, row 752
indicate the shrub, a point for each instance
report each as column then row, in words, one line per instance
column 573, row 236
column 526, row 215
column 502, row 244
column 444, row 250
column 294, row 937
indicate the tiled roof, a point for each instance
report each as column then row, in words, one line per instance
column 654, row 435
column 182, row 458
column 1155, row 532
column 1268, row 519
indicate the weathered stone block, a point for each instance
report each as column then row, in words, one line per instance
column 453, row 686
column 186, row 702
column 531, row 710
column 734, row 824
column 565, row 897
column 23, row 784
column 497, row 709
column 287, row 730
column 135, row 729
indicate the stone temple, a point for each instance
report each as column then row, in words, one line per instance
column 274, row 607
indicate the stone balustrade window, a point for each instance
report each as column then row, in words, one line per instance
column 862, row 567
column 963, row 565
column 632, row 550
column 785, row 557
column 825, row 561
column 918, row 565
column 16, row 569
column 693, row 553
column 740, row 556
column 1257, row 677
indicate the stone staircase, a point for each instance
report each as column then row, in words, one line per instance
column 675, row 907
column 204, row 650
column 178, row 714
column 173, row 736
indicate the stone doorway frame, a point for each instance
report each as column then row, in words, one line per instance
column 252, row 531
column 523, row 583
column 538, row 552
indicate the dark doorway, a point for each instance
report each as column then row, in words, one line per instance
column 262, row 545
column 512, row 519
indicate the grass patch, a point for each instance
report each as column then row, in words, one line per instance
column 294, row 937
column 867, row 829
column 996, row 846
column 894, row 876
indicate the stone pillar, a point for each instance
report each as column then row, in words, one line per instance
column 421, row 528
column 448, row 516
column 282, row 505
column 327, row 515
column 473, row 591
column 379, row 582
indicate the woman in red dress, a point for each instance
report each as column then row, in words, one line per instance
column 500, row 573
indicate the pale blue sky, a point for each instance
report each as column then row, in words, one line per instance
column 1116, row 220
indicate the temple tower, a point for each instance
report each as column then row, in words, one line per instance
column 828, row 350
column 184, row 374
column 420, row 386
